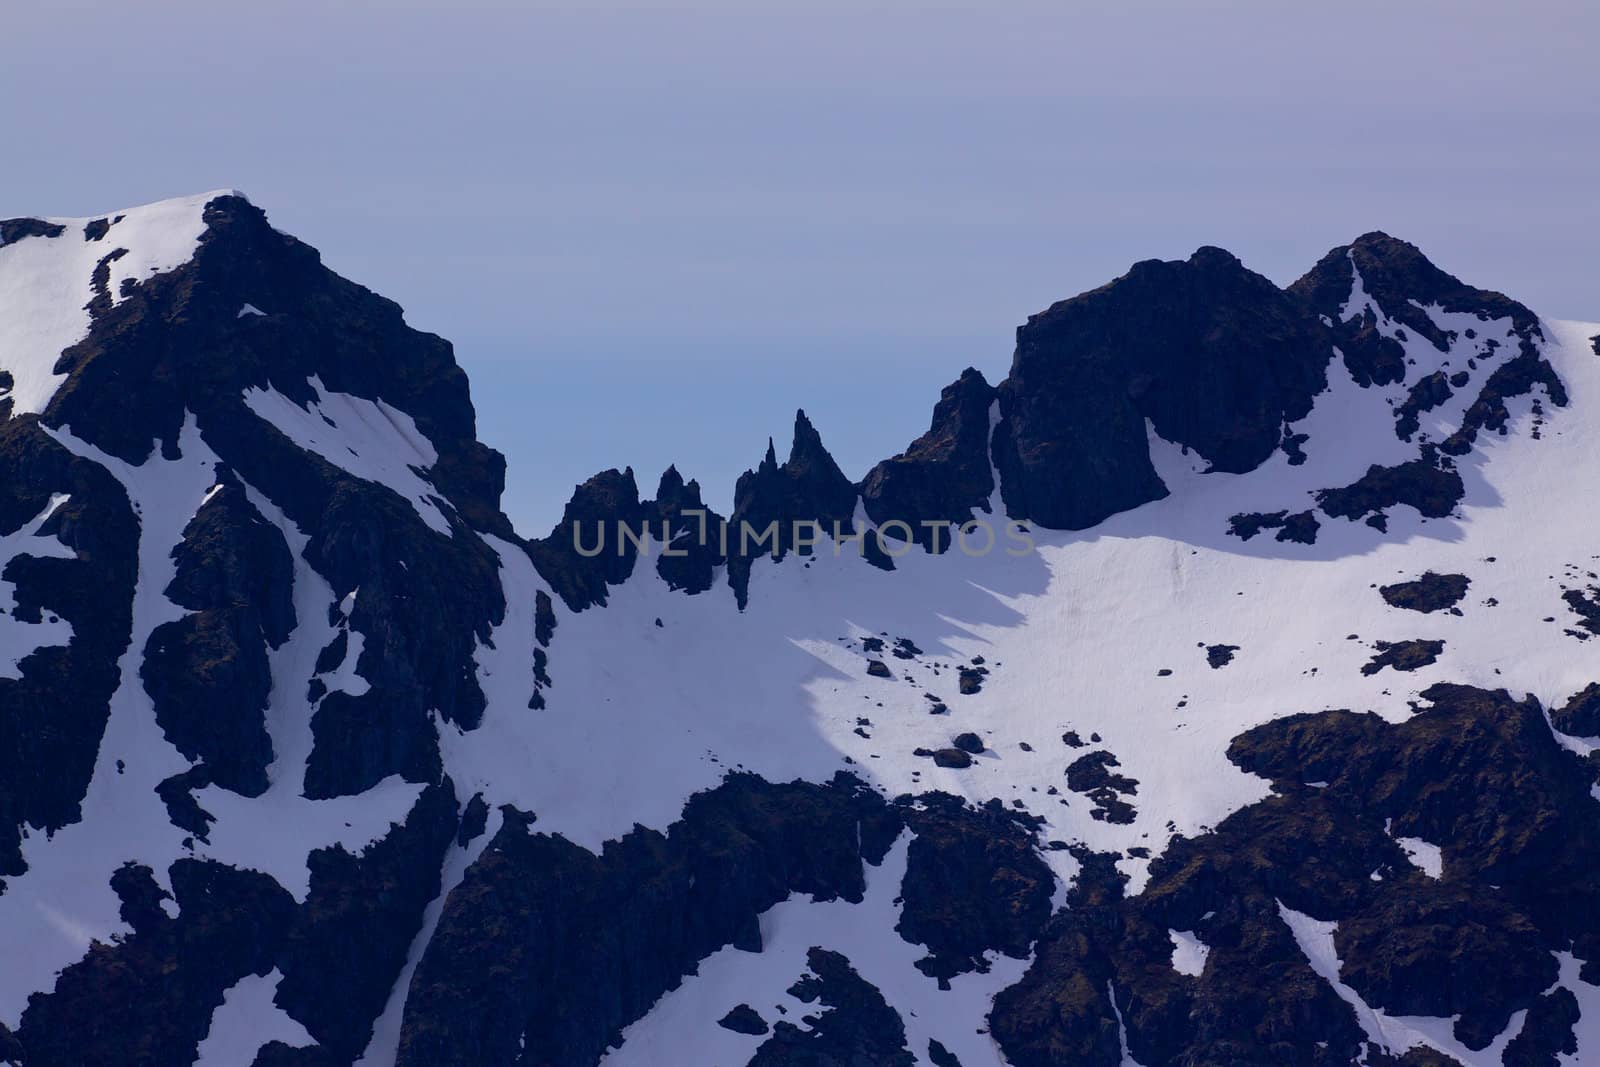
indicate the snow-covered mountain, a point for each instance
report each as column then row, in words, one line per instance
column 1250, row 718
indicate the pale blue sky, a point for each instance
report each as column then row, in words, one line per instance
column 653, row 230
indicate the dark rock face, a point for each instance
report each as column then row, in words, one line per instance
column 178, row 335
column 547, row 943
column 184, row 811
column 1403, row 655
column 207, row 673
column 1580, row 716
column 1547, row 1031
column 52, row 717
column 1474, row 772
column 147, row 1001
column 348, row 941
column 230, row 556
column 175, row 347
column 1215, row 356
column 690, row 547
column 1503, row 804
column 857, row 1028
column 768, row 501
column 587, row 552
column 1426, row 952
column 1431, row 592
column 209, row 678
column 974, row 883
column 944, row 474
column 1398, row 278
column 1429, row 392
column 1061, row 1011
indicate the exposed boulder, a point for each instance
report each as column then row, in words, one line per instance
column 743, row 1019
column 1431, row 592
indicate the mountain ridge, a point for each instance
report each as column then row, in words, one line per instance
column 339, row 743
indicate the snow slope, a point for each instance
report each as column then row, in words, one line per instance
column 1100, row 639
column 1077, row 635
column 46, row 285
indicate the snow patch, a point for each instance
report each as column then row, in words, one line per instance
column 246, row 1020
column 370, row 440
column 1188, row 952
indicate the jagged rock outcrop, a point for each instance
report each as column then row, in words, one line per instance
column 1474, row 772
column 944, row 475
column 207, row 673
column 689, row 549
column 605, row 528
column 1403, row 284
column 588, row 550
column 343, row 952
column 1214, row 356
column 148, row 999
column 52, row 715
column 768, row 503
column 1443, row 862
column 974, row 884
column 1580, row 715
column 547, row 948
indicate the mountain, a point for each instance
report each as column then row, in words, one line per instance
column 1218, row 688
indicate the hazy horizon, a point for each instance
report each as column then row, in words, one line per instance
column 746, row 209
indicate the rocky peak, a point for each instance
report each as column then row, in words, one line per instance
column 688, row 534
column 1213, row 355
column 942, row 475
column 817, row 480
column 251, row 308
column 808, row 487
column 1378, row 281
column 585, row 553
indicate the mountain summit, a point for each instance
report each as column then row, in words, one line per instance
column 1217, row 688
